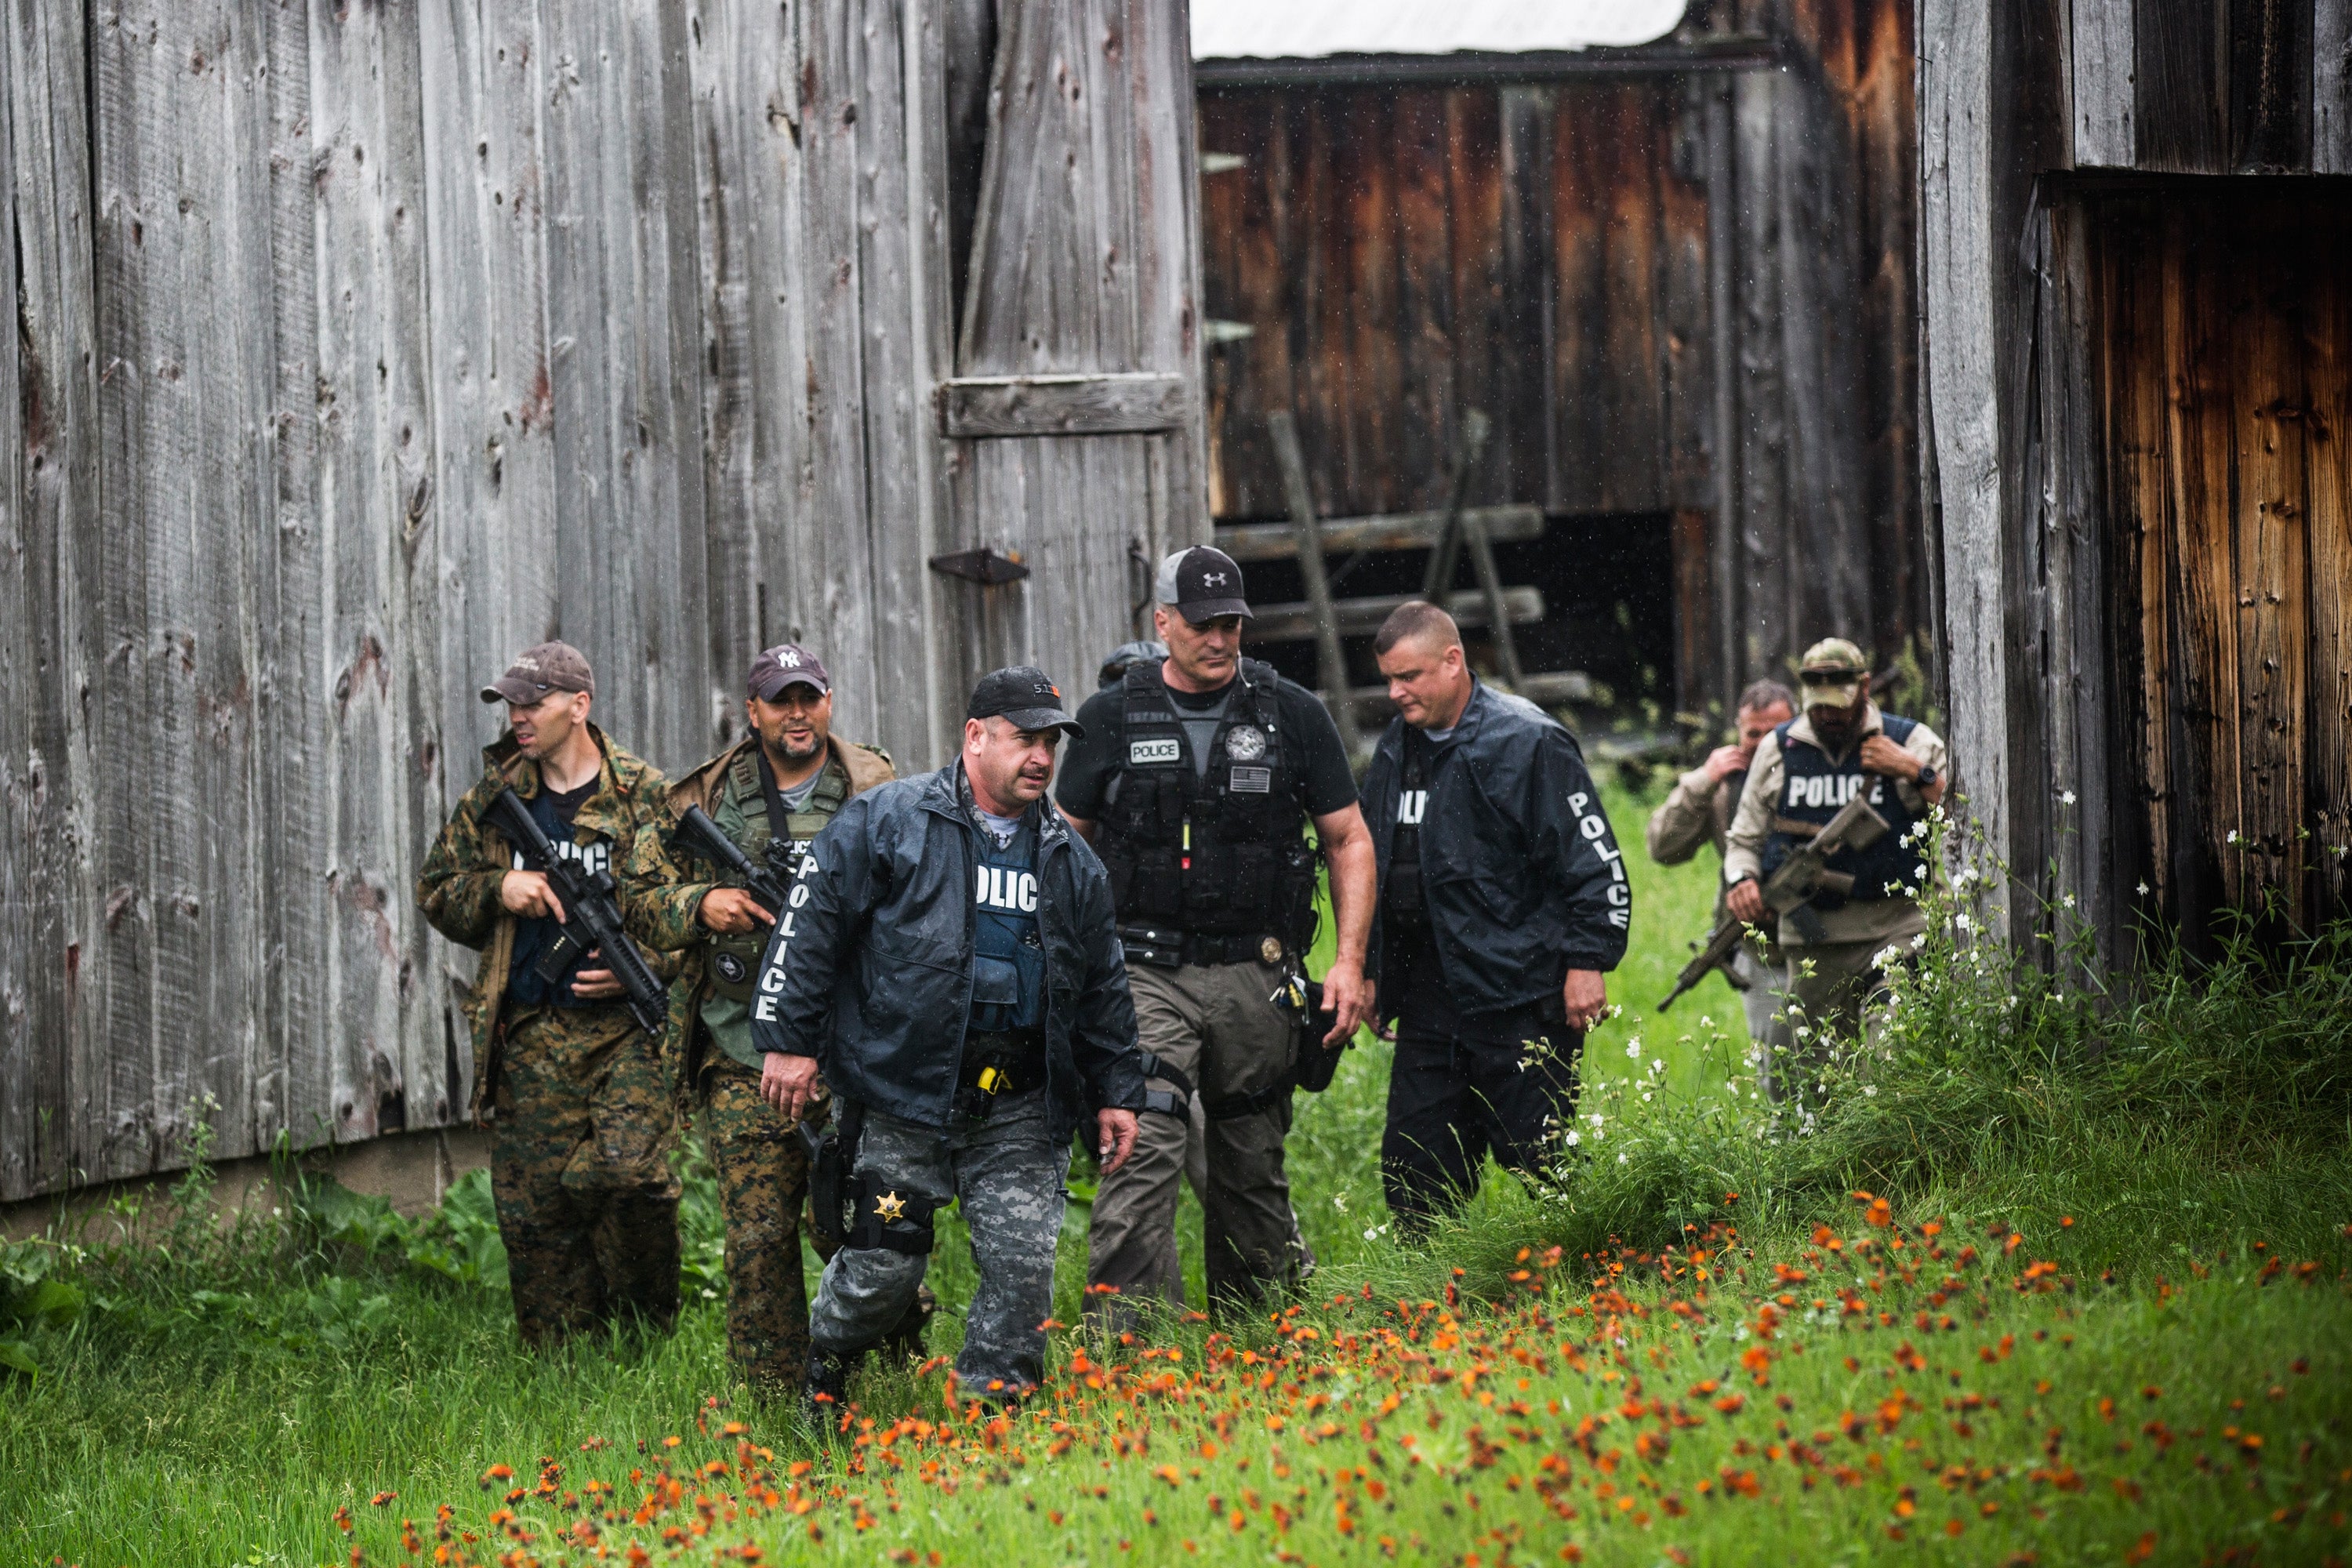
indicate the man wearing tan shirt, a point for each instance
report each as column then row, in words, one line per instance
column 1804, row 772
column 1699, row 811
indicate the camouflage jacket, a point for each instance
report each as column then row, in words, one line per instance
column 458, row 887
column 662, row 879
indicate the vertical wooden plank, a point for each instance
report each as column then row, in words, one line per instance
column 2128, row 342
column 2331, row 87
column 2328, row 378
column 53, row 978
column 740, row 66
column 2268, row 416
column 183, row 285
column 1685, row 368
column 1527, row 423
column 1426, row 328
column 1767, row 596
column 2101, row 52
column 2208, row 869
column 355, row 617
column 830, row 593
column 2180, row 81
column 492, row 542
column 1480, row 310
column 1959, row 406
column 1609, row 451
column 903, row 267
column 621, row 315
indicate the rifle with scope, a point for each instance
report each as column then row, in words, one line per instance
column 1787, row 893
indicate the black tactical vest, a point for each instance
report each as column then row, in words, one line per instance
column 733, row 961
column 1813, row 789
column 1213, row 852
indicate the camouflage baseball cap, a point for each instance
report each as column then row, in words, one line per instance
column 536, row 671
column 1834, row 673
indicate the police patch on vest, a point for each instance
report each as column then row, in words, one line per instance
column 1245, row 744
column 730, row 968
column 1250, row 781
column 1144, row 754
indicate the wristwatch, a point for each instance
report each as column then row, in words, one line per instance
column 1927, row 779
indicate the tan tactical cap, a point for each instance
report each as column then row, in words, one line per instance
column 536, row 671
column 1834, row 673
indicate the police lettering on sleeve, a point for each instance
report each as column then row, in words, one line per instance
column 771, row 971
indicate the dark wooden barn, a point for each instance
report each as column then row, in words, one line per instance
column 1678, row 275
column 2138, row 347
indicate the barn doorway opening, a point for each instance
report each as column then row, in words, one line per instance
column 1606, row 584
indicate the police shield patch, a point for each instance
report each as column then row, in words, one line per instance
column 1144, row 753
column 731, row 968
column 1245, row 744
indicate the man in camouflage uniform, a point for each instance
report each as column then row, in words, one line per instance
column 783, row 781
column 573, row 1089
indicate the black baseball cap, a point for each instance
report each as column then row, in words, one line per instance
column 1201, row 583
column 1024, row 698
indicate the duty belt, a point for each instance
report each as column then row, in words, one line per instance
column 996, row 1064
column 1164, row 949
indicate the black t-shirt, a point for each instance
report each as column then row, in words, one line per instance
column 1413, row 983
column 1088, row 764
column 555, row 810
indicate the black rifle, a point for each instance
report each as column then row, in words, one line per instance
column 1789, row 891
column 771, row 885
column 592, row 922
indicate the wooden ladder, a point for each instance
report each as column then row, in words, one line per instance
column 1447, row 533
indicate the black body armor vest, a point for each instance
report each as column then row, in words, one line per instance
column 1214, row 852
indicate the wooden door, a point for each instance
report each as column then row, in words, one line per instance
column 1073, row 416
column 2224, row 339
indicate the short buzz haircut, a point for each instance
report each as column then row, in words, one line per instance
column 1416, row 619
column 1763, row 694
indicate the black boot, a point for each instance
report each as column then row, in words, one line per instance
column 826, row 1388
column 905, row 1341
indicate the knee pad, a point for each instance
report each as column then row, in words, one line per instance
column 890, row 1218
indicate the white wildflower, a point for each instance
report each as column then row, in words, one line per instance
column 2068, row 900
column 1634, row 1048
column 1870, row 1092
column 1574, row 1137
column 2066, row 797
column 2142, row 889
column 2233, row 836
column 1621, row 1159
column 1339, row 1202
column 1645, row 1096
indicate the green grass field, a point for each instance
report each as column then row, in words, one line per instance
column 2100, row 1316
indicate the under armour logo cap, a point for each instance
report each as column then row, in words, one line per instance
column 1201, row 583
column 536, row 671
column 1023, row 697
column 787, row 663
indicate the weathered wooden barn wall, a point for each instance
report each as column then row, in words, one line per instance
column 1619, row 267
column 2133, row 374
column 360, row 345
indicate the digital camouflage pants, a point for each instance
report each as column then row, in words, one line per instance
column 1008, row 1171
column 1217, row 1025
column 580, row 1167
column 763, row 1181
